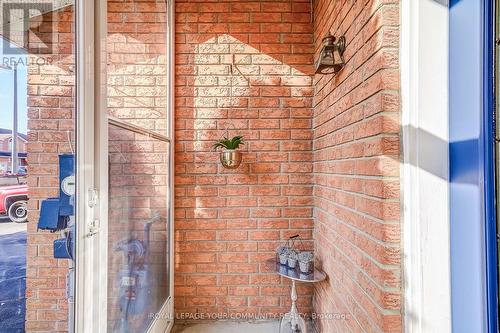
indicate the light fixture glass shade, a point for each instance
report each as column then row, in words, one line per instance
column 331, row 56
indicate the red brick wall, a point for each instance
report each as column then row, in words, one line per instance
column 50, row 116
column 229, row 222
column 137, row 62
column 356, row 169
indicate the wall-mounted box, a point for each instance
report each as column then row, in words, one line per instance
column 50, row 218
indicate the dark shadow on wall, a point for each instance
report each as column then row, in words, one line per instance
column 442, row 2
column 465, row 167
column 425, row 155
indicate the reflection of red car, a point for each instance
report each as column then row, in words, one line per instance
column 14, row 202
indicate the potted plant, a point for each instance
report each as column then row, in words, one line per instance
column 283, row 252
column 306, row 261
column 292, row 259
column 230, row 157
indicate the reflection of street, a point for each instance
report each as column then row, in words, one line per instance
column 12, row 275
column 7, row 227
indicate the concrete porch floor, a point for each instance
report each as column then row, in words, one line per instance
column 233, row 327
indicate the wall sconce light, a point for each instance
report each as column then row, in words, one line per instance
column 331, row 57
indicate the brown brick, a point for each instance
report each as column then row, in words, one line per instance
column 321, row 157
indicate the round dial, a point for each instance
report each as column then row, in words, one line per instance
column 68, row 185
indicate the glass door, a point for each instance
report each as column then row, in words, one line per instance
column 139, row 214
column 138, row 225
column 125, row 251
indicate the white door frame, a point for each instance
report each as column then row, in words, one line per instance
column 424, row 171
column 92, row 170
column 88, row 276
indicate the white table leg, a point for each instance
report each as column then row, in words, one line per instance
column 292, row 322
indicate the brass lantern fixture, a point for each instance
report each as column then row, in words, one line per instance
column 331, row 57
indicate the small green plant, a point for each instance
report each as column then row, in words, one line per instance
column 229, row 144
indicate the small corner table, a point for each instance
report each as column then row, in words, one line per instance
column 292, row 322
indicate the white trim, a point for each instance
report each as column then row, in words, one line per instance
column 171, row 135
column 87, row 286
column 101, row 157
column 426, row 229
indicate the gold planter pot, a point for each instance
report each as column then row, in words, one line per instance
column 230, row 159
